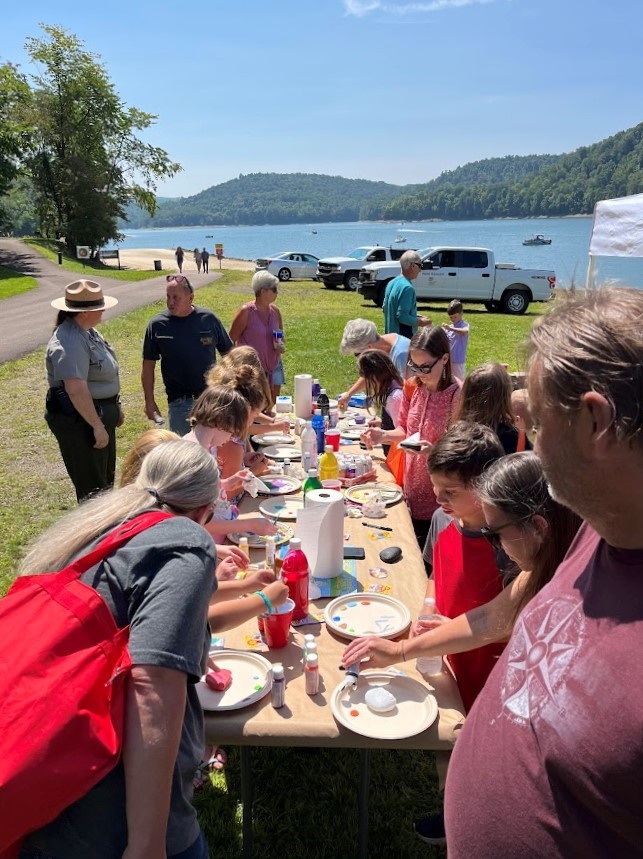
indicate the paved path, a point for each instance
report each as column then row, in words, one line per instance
column 28, row 319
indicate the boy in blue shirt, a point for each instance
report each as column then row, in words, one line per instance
column 458, row 333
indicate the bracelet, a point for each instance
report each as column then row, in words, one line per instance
column 266, row 600
column 403, row 656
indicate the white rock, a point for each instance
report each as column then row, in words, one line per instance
column 380, row 700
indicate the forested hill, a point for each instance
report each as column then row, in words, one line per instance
column 571, row 185
column 513, row 186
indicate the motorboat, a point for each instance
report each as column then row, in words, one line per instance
column 538, row 239
column 399, row 239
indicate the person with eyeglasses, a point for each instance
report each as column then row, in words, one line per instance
column 400, row 304
column 427, row 412
column 554, row 743
column 362, row 334
column 186, row 339
column 258, row 324
column 535, row 532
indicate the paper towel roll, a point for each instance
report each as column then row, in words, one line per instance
column 303, row 395
column 320, row 525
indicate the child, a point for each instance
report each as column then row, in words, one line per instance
column 383, row 383
column 522, row 415
column 458, row 334
column 464, row 568
column 486, row 399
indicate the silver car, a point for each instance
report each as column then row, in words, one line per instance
column 288, row 265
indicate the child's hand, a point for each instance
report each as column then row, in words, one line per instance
column 259, row 579
column 234, row 552
column 256, row 525
column 227, row 569
column 277, row 592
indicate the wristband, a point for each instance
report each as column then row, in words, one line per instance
column 266, row 600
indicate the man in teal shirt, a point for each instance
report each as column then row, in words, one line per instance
column 400, row 308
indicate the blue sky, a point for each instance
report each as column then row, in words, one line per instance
column 393, row 91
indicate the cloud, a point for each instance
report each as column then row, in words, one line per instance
column 360, row 8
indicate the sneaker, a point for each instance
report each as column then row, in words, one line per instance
column 431, row 829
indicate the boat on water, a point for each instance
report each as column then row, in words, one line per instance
column 399, row 239
column 538, row 239
column 314, row 232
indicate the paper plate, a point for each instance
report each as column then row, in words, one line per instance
column 352, row 433
column 280, row 484
column 357, row 615
column 273, row 438
column 281, row 452
column 281, row 508
column 257, row 541
column 251, row 680
column 415, row 711
column 389, row 493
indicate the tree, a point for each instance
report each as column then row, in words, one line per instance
column 14, row 132
column 87, row 163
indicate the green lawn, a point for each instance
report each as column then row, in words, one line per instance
column 14, row 283
column 49, row 249
column 305, row 802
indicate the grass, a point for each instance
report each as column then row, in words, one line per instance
column 49, row 249
column 14, row 283
column 304, row 800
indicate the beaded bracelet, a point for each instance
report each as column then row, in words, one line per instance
column 266, row 600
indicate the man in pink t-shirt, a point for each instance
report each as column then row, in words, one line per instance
column 549, row 761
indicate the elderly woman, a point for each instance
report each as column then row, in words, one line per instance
column 362, row 334
column 256, row 324
column 159, row 584
column 83, row 403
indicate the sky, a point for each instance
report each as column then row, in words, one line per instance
column 366, row 89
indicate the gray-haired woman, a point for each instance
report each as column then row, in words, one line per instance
column 159, row 584
column 362, row 334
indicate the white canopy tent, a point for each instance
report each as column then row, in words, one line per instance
column 617, row 231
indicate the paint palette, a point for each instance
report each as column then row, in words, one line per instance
column 280, row 484
column 273, row 438
column 251, row 680
column 281, row 508
column 389, row 493
column 357, row 615
column 279, row 452
column 258, row 541
column 416, row 709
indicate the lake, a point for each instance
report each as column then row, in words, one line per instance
column 567, row 254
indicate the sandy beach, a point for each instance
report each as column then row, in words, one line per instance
column 143, row 258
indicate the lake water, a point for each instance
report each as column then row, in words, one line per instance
column 567, row 255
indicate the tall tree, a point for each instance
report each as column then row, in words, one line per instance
column 14, row 130
column 87, row 163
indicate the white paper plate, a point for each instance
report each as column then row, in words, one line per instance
column 352, row 434
column 357, row 615
column 273, row 438
column 251, row 680
column 256, row 541
column 415, row 711
column 281, row 452
column 280, row 484
column 284, row 508
column 389, row 493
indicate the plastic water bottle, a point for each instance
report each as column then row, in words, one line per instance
column 294, row 572
column 319, row 426
column 428, row 664
column 323, row 403
column 312, row 482
column 309, row 445
column 316, row 390
column 328, row 465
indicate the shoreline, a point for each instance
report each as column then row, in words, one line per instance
column 142, row 259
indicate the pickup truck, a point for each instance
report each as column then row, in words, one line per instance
column 470, row 274
column 335, row 271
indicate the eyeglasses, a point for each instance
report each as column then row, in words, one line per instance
column 210, row 516
column 273, row 289
column 418, row 264
column 421, row 368
column 494, row 536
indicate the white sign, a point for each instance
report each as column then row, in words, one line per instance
column 82, row 251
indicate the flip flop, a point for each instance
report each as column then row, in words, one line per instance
column 215, row 763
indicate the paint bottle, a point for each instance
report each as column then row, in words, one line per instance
column 309, row 444
column 328, row 465
column 294, row 572
column 312, row 482
column 431, row 665
column 309, row 638
column 270, row 553
column 245, row 548
column 278, row 693
column 312, row 674
column 286, row 467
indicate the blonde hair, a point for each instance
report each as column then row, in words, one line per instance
column 486, row 397
column 146, row 442
column 221, row 407
column 237, row 357
column 178, row 476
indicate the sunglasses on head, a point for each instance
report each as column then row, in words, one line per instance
column 421, row 368
column 179, row 278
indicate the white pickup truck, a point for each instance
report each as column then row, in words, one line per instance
column 335, row 271
column 470, row 274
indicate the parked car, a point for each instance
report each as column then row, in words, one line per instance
column 289, row 264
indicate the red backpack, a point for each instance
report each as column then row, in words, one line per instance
column 62, row 664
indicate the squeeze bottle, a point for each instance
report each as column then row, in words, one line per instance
column 294, row 572
column 328, row 465
column 309, row 444
column 312, row 482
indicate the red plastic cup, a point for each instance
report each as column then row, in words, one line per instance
column 332, row 438
column 277, row 625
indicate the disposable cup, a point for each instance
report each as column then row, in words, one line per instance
column 332, row 483
column 332, row 438
column 277, row 625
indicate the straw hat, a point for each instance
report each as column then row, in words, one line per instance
column 84, row 295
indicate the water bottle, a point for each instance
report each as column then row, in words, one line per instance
column 294, row 572
column 319, row 426
column 428, row 664
column 328, row 465
column 323, row 403
column 309, row 445
column 316, row 390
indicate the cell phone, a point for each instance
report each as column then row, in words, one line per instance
column 354, row 553
column 410, row 445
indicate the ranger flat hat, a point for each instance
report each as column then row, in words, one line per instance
column 84, row 295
